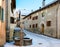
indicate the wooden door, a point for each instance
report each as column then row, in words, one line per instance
column 42, row 29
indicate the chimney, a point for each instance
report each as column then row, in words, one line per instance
column 43, row 3
column 32, row 10
column 39, row 7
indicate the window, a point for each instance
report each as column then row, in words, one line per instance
column 36, row 25
column 11, row 20
column 30, row 26
column 33, row 26
column 43, row 14
column 48, row 23
column 36, row 17
column 33, row 18
column 30, row 17
column 2, row 15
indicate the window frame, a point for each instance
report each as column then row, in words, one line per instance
column 48, row 23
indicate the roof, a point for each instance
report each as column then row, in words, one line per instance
column 23, row 15
column 55, row 2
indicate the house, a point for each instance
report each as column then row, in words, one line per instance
column 6, row 8
column 11, row 21
column 45, row 20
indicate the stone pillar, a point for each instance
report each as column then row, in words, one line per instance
column 7, row 17
column 21, row 34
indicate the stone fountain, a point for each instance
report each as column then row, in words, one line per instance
column 19, row 35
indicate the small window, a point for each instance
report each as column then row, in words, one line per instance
column 43, row 14
column 36, row 17
column 30, row 17
column 33, row 18
column 12, row 20
column 33, row 26
column 48, row 23
column 36, row 25
column 30, row 26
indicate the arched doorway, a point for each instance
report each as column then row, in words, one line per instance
column 42, row 28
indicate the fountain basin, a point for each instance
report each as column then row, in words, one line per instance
column 26, row 42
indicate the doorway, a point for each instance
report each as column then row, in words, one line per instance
column 42, row 28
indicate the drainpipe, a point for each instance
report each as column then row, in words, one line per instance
column 57, row 20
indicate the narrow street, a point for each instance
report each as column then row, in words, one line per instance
column 24, row 23
column 39, row 41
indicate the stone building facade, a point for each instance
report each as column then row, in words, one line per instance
column 44, row 20
column 12, row 24
column 2, row 23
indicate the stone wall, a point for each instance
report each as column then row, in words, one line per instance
column 51, row 13
column 12, row 26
